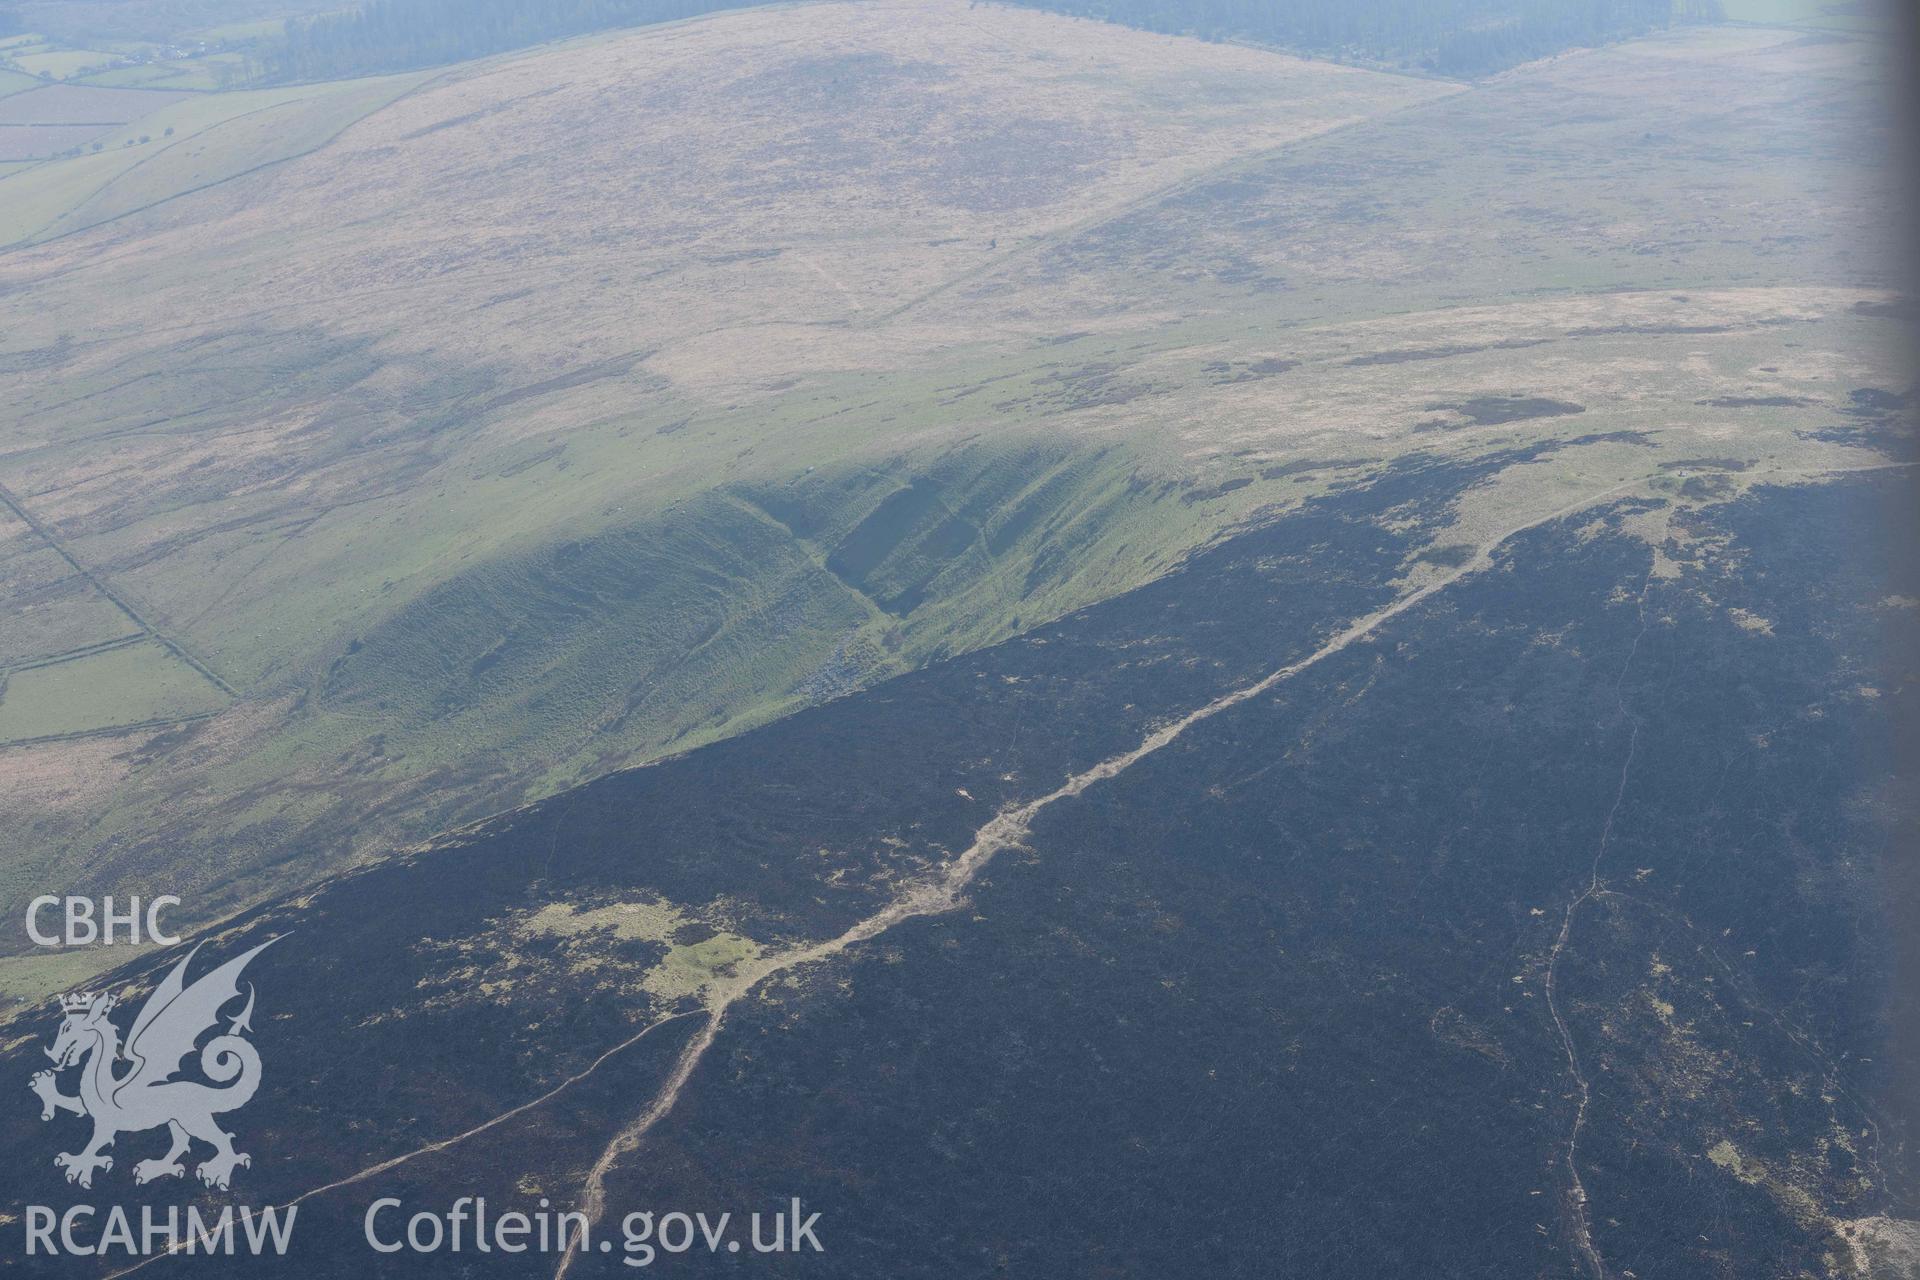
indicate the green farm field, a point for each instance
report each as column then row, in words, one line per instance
column 130, row 684
column 180, row 144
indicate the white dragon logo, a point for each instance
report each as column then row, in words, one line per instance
column 164, row 1032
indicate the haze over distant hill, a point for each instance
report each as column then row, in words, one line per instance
column 305, row 40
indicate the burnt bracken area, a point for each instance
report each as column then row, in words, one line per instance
column 1278, row 999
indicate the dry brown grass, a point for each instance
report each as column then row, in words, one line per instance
column 555, row 294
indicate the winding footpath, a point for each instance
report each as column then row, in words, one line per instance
column 1008, row 829
column 1581, row 1219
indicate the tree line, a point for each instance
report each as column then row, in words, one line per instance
column 398, row 35
column 1446, row 37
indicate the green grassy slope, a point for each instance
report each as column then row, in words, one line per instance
column 578, row 408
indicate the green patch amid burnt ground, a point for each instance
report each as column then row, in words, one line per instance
column 534, row 947
column 1305, row 948
column 1304, row 952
